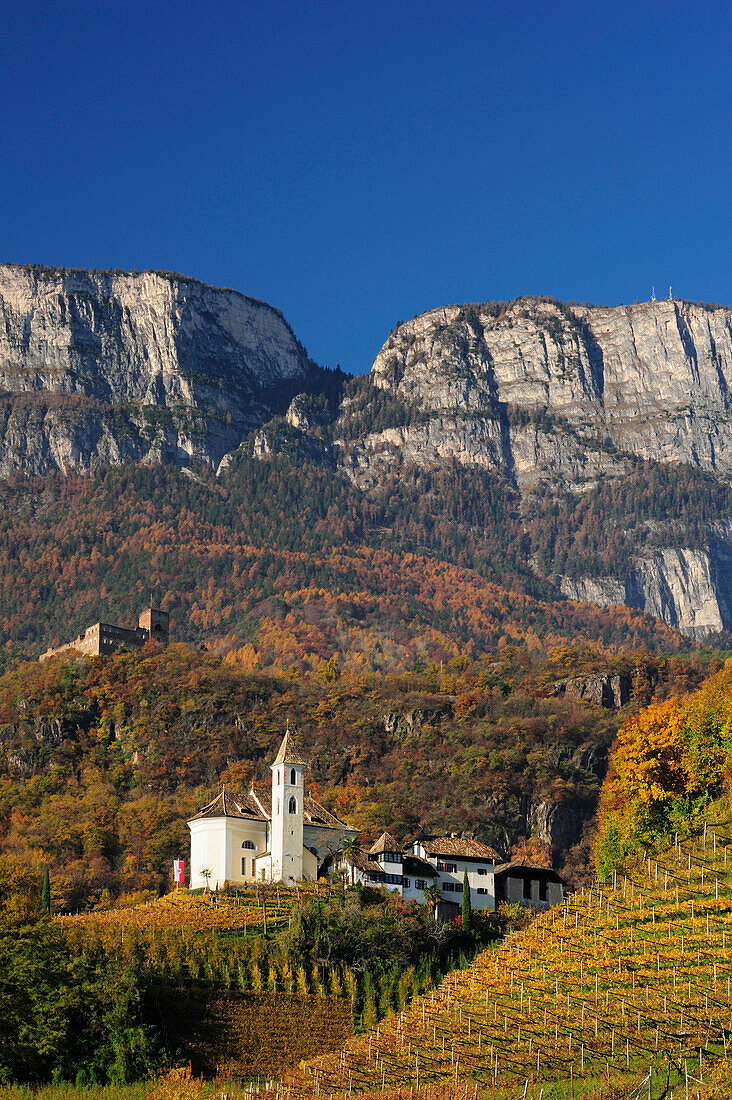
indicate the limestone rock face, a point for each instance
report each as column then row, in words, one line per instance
column 562, row 394
column 605, row 690
column 688, row 589
column 105, row 367
column 544, row 389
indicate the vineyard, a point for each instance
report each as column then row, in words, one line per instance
column 239, row 941
column 259, row 908
column 215, row 939
column 628, row 983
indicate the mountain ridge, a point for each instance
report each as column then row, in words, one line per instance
column 543, row 405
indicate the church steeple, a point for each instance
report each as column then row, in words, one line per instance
column 289, row 751
column 288, row 805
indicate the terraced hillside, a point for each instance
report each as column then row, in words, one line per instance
column 626, row 984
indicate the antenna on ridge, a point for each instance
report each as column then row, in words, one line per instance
column 653, row 293
column 670, row 295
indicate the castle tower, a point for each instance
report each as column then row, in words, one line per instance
column 156, row 623
column 288, row 797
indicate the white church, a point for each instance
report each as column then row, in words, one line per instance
column 282, row 835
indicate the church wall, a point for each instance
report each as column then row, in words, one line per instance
column 208, row 850
column 216, row 843
column 309, row 866
column 238, row 830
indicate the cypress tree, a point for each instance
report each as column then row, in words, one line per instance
column 46, row 893
column 467, row 909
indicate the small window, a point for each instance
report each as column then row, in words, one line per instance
column 293, row 777
column 419, row 884
column 292, row 807
column 244, row 866
column 482, row 871
column 482, row 890
column 406, row 883
column 278, row 777
column 248, row 844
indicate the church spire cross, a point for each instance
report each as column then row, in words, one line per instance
column 289, row 751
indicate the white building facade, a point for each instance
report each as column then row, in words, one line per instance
column 439, row 861
column 279, row 835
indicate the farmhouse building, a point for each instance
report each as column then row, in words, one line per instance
column 534, row 887
column 435, row 861
column 275, row 835
column 104, row 638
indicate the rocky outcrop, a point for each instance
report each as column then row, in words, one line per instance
column 563, row 394
column 603, row 591
column 605, row 690
column 547, row 390
column 558, row 824
column 106, row 367
column 689, row 589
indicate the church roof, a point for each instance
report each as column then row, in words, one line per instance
column 385, row 843
column 313, row 812
column 458, row 848
column 228, row 805
column 289, row 752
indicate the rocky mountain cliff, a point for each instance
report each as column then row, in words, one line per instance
column 553, row 391
column 562, row 396
column 553, row 402
column 102, row 367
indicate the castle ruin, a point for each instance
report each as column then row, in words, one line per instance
column 105, row 638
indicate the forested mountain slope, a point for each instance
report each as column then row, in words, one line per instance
column 556, row 451
column 285, row 556
column 102, row 760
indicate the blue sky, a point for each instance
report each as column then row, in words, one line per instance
column 358, row 163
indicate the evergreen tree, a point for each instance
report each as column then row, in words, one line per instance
column 467, row 909
column 301, row 981
column 46, row 893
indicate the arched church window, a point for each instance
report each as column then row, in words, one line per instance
column 293, row 805
column 293, row 777
column 248, row 844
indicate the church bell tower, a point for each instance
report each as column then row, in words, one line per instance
column 288, row 798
